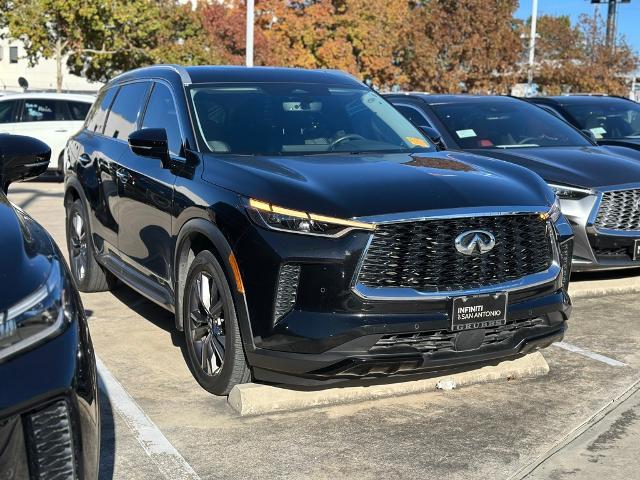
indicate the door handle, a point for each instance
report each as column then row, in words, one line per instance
column 123, row 175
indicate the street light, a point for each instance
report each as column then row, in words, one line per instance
column 532, row 45
column 249, row 44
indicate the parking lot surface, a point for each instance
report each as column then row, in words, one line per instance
column 582, row 420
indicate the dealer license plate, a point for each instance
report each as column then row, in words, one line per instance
column 479, row 311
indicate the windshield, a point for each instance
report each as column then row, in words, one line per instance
column 288, row 118
column 611, row 119
column 505, row 123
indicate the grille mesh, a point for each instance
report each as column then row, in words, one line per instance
column 619, row 210
column 421, row 255
column 287, row 289
column 443, row 340
column 51, row 443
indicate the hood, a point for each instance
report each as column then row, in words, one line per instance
column 358, row 185
column 26, row 254
column 589, row 167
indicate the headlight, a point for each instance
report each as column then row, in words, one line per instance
column 38, row 316
column 295, row 221
column 570, row 193
column 554, row 212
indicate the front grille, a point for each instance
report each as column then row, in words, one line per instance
column 50, row 443
column 422, row 255
column 287, row 290
column 440, row 341
column 619, row 210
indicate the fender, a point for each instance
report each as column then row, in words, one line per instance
column 224, row 251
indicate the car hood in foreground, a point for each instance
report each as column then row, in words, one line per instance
column 358, row 185
column 589, row 167
column 26, row 254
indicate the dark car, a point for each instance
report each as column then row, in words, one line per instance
column 302, row 230
column 610, row 120
column 598, row 187
column 49, row 423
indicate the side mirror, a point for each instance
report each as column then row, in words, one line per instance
column 590, row 134
column 150, row 142
column 21, row 158
column 434, row 136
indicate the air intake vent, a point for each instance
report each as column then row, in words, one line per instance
column 566, row 252
column 50, row 441
column 287, row 290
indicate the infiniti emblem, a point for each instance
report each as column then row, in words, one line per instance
column 475, row 242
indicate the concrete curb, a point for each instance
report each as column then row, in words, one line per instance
column 254, row 399
column 587, row 287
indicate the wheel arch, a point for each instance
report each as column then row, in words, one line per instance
column 196, row 235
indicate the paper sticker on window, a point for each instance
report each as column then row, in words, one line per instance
column 418, row 142
column 466, row 133
column 598, row 131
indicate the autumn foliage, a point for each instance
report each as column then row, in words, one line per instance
column 430, row 45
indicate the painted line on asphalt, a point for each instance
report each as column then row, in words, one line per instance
column 166, row 458
column 587, row 353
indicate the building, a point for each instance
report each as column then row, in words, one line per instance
column 41, row 77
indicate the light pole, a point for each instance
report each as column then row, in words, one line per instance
column 249, row 45
column 532, row 45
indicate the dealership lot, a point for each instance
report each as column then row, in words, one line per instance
column 162, row 421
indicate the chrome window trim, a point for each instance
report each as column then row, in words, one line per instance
column 409, row 294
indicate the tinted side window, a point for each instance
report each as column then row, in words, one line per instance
column 123, row 116
column 7, row 109
column 78, row 110
column 42, row 110
column 95, row 119
column 161, row 113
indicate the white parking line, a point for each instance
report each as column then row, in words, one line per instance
column 587, row 353
column 168, row 460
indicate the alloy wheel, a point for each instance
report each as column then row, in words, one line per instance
column 207, row 325
column 79, row 248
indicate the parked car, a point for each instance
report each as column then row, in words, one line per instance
column 598, row 187
column 610, row 120
column 48, row 400
column 302, row 230
column 50, row 117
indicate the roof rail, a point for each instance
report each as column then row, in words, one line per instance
column 179, row 69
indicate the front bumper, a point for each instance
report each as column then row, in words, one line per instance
column 333, row 333
column 596, row 248
column 49, row 418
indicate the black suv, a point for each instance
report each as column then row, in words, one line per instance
column 302, row 229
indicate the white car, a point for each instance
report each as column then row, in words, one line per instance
column 50, row 117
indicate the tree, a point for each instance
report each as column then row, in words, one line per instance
column 99, row 39
column 463, row 46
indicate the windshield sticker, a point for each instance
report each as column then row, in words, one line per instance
column 598, row 131
column 466, row 133
column 418, row 142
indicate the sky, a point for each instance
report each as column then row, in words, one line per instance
column 628, row 14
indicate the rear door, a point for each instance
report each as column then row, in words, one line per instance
column 48, row 120
column 145, row 190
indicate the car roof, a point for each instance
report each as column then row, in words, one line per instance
column 579, row 99
column 234, row 74
column 76, row 97
column 433, row 99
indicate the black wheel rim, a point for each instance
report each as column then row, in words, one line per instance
column 79, row 248
column 206, row 322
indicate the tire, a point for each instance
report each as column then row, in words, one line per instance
column 88, row 274
column 214, row 347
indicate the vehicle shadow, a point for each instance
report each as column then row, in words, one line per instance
column 33, row 195
column 107, row 438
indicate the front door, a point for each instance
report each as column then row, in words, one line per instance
column 145, row 190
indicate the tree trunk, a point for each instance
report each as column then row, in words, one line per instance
column 58, row 65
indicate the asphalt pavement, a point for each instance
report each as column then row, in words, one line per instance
column 582, row 420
